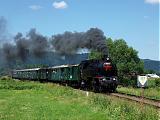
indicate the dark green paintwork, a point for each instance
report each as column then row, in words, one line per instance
column 27, row 74
column 59, row 73
column 70, row 73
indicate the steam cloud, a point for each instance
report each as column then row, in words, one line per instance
column 66, row 43
column 69, row 42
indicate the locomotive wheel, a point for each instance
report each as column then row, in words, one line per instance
column 96, row 87
column 100, row 89
column 113, row 89
column 83, row 85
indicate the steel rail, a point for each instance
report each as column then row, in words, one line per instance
column 155, row 103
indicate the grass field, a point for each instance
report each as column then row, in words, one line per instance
column 25, row 100
column 152, row 91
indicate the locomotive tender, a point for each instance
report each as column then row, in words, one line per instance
column 98, row 75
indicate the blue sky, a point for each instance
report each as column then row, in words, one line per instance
column 136, row 21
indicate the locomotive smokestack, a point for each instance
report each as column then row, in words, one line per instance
column 104, row 56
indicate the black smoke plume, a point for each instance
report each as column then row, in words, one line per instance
column 69, row 42
column 33, row 43
column 22, row 46
column 38, row 44
column 65, row 44
column 9, row 51
column 3, row 30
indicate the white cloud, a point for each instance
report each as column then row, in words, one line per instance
column 152, row 1
column 35, row 7
column 60, row 5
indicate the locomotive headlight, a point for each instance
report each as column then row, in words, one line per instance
column 114, row 78
column 103, row 79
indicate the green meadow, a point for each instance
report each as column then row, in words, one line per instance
column 28, row 100
column 152, row 91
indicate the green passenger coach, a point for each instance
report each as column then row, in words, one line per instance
column 64, row 73
column 61, row 73
column 32, row 74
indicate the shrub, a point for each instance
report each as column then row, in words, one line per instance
column 154, row 83
column 157, row 82
column 5, row 78
column 151, row 83
column 128, row 82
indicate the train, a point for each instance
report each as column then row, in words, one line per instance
column 96, row 74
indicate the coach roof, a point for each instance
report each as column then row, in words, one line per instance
column 27, row 70
column 63, row 66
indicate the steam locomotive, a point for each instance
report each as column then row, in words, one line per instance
column 96, row 75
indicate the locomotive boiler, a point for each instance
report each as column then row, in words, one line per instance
column 101, row 75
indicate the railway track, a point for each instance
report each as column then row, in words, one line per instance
column 155, row 103
column 152, row 102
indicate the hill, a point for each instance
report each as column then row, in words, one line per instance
column 151, row 65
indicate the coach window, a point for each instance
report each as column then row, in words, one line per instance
column 72, row 71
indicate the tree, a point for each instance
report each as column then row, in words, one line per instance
column 126, row 58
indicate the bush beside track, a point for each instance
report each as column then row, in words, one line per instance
column 34, row 100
